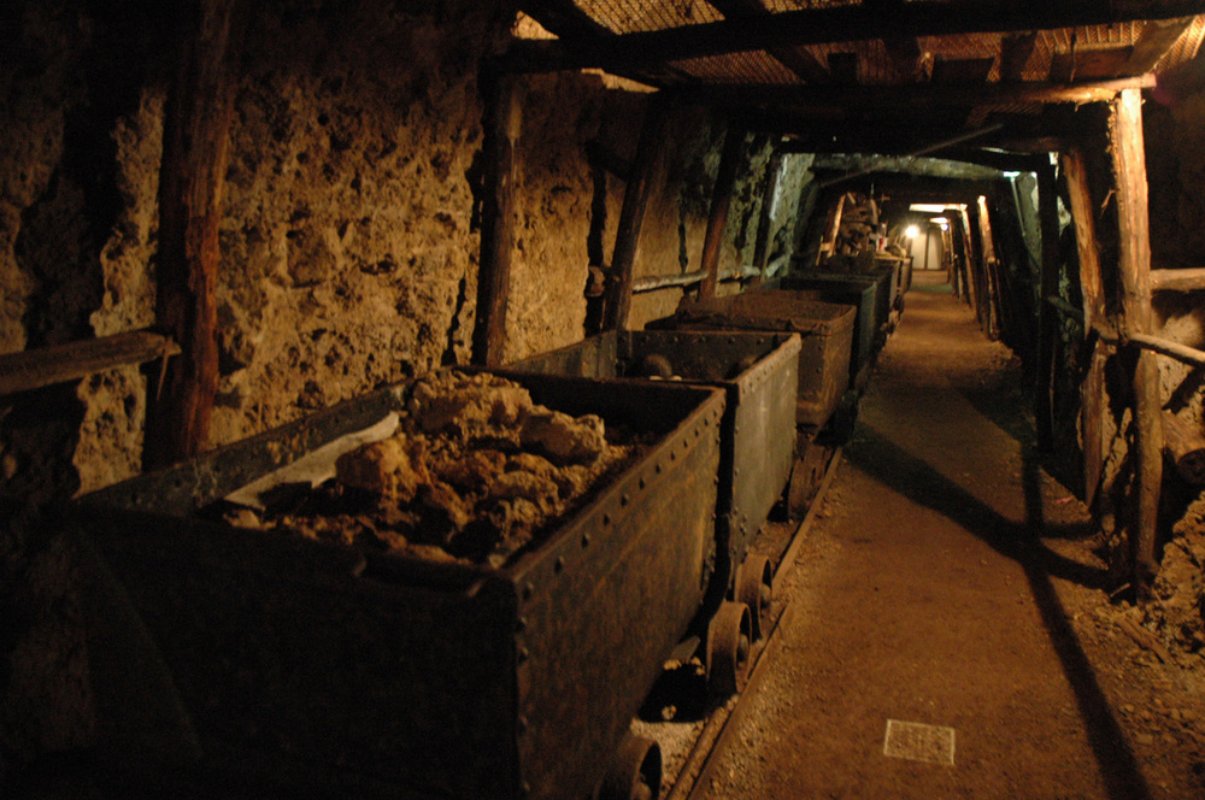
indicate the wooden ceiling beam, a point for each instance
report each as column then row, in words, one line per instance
column 915, row 97
column 796, row 59
column 861, row 22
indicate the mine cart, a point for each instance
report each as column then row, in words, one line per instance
column 826, row 330
column 287, row 662
column 759, row 372
column 859, row 294
column 882, row 281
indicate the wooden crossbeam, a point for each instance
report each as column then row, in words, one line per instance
column 46, row 366
column 1178, row 280
column 915, row 97
column 862, row 22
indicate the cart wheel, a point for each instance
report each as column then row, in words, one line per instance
column 755, row 588
column 728, row 641
column 635, row 771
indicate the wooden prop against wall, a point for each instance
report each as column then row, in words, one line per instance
column 721, row 200
column 501, row 121
column 191, row 180
column 631, row 217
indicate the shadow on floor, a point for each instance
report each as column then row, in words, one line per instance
column 879, row 457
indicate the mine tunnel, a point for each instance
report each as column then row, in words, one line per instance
column 602, row 399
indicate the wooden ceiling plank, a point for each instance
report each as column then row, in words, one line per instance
column 840, row 24
column 796, row 59
column 1015, row 53
column 1156, row 39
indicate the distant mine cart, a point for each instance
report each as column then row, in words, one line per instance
column 759, row 373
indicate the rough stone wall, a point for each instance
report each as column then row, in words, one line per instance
column 348, row 244
column 555, row 208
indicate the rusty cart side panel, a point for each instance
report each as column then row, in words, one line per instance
column 605, row 601
column 283, row 653
column 825, row 328
column 307, row 664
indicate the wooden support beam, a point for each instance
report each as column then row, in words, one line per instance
column 1134, row 267
column 1157, row 37
column 1083, row 215
column 796, row 59
column 501, row 122
column 45, row 366
column 1181, row 352
column 862, row 22
column 916, row 97
column 1178, row 280
column 192, row 173
column 1092, row 389
column 968, row 239
column 631, row 217
column 1048, row 327
column 721, row 199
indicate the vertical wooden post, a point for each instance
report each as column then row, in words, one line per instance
column 631, row 218
column 1048, row 327
column 968, row 248
column 191, row 180
column 1092, row 391
column 1134, row 266
column 721, row 199
column 991, row 294
column 501, row 121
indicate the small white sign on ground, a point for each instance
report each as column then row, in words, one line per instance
column 916, row 741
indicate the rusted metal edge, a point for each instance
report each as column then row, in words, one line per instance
column 718, row 730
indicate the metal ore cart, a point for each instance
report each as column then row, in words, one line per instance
column 290, row 663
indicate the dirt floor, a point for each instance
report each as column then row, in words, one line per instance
column 951, row 582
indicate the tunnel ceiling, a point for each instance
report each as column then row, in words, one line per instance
column 826, row 65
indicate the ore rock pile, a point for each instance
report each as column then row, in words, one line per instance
column 475, row 471
column 1179, row 607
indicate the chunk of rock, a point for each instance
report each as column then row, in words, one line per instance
column 446, row 513
column 474, row 470
column 387, row 468
column 539, row 490
column 470, row 406
column 563, row 439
